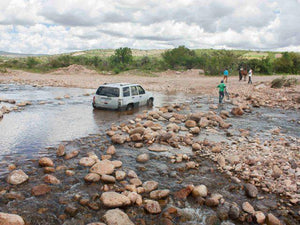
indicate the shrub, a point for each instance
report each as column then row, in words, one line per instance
column 283, row 82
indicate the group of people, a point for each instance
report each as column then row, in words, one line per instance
column 222, row 86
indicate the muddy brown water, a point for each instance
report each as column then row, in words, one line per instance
column 38, row 129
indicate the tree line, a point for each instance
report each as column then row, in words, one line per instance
column 181, row 58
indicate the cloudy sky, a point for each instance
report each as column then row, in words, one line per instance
column 57, row 26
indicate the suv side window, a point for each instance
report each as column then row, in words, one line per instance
column 126, row 92
column 134, row 90
column 141, row 90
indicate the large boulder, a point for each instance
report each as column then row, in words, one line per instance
column 117, row 217
column 103, row 167
column 10, row 219
column 112, row 199
column 17, row 177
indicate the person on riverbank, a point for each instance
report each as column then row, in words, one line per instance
column 225, row 73
column 222, row 88
column 240, row 73
column 250, row 76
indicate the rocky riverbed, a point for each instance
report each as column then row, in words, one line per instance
column 190, row 163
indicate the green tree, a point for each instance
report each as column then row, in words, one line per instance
column 180, row 57
column 122, row 56
column 31, row 62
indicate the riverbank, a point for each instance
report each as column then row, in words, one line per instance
column 215, row 167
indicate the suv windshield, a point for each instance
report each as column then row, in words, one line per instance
column 108, row 91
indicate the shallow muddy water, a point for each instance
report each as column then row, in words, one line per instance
column 38, row 129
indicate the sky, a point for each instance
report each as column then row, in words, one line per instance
column 59, row 26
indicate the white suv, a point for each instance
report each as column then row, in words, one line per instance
column 122, row 96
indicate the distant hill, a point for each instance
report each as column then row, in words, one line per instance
column 12, row 54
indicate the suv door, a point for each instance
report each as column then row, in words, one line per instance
column 142, row 95
column 135, row 95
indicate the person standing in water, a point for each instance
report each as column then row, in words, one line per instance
column 221, row 87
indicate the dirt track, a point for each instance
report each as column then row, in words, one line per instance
column 169, row 81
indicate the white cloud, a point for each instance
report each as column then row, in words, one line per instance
column 55, row 26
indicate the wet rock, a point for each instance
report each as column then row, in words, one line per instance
column 103, row 167
column 92, row 177
column 117, row 163
column 204, row 122
column 196, row 147
column 173, row 127
column 212, row 220
column 132, row 174
column 87, row 161
column 195, row 130
column 60, row 150
column 200, row 191
column 11, row 219
column 224, row 114
column 96, row 223
column 118, row 139
column 216, row 149
column 247, row 207
column 108, row 179
column 49, row 169
column 191, row 165
column 272, row 220
column 150, row 185
column 237, row 111
column 190, row 123
column 184, row 193
column 196, row 116
column 136, row 181
column 276, row 172
column 50, row 179
column 71, row 155
column 260, row 217
column 14, row 195
column 223, row 211
column 158, row 148
column 152, row 207
column 120, row 175
column 211, row 202
column 45, row 161
column 17, row 177
column 117, row 217
column 138, row 130
column 111, row 150
column 159, row 194
column 138, row 145
column 143, row 158
column 40, row 190
column 71, row 210
column 251, row 190
column 11, row 167
column 221, row 161
column 234, row 212
column 113, row 199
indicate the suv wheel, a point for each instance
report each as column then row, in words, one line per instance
column 150, row 102
column 129, row 107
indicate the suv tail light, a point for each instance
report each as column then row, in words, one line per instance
column 94, row 99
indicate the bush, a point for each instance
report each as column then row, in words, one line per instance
column 180, row 57
column 283, row 82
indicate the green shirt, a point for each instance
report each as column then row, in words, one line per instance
column 221, row 87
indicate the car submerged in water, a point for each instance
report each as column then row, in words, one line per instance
column 121, row 96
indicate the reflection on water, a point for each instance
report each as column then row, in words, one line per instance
column 40, row 125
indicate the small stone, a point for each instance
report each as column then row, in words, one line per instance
column 185, row 192
column 251, row 190
column 60, row 150
column 196, row 147
column 212, row 202
column 272, row 220
column 40, row 190
column 113, row 199
column 190, row 123
column 51, row 179
column 200, row 190
column 159, row 194
column 71, row 155
column 45, row 161
column 87, row 161
column 92, row 177
column 71, row 210
column 143, row 158
column 108, row 179
column 260, row 217
column 117, row 217
column 247, row 207
column 120, row 175
column 17, row 177
column 150, row 186
column 152, row 207
column 111, row 150
column 103, row 167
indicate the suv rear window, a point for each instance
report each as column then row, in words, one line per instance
column 108, row 91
